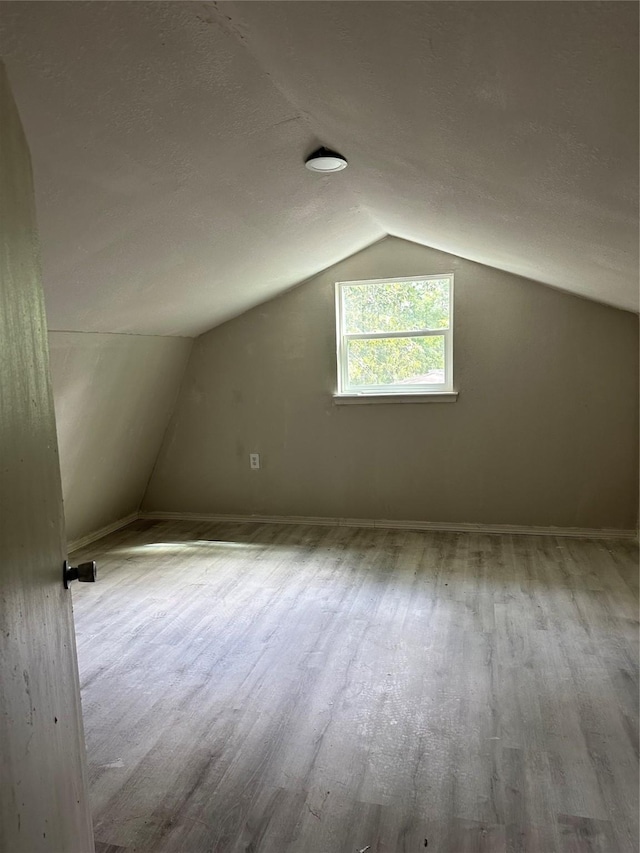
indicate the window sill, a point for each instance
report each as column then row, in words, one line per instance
column 364, row 399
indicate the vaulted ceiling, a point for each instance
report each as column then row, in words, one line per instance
column 168, row 142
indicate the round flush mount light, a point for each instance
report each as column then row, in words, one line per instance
column 325, row 161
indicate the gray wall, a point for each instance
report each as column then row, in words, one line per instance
column 113, row 397
column 544, row 432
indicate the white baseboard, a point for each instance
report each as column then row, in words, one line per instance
column 104, row 531
column 441, row 526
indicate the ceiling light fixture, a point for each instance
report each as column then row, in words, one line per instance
column 325, row 161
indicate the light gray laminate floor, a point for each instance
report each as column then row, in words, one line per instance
column 299, row 689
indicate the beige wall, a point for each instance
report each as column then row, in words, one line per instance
column 113, row 396
column 544, row 432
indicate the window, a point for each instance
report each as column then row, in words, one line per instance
column 395, row 336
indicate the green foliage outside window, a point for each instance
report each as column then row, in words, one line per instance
column 405, row 306
column 409, row 361
column 396, row 307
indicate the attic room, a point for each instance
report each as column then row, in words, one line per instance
column 319, row 338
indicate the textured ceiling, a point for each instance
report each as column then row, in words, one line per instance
column 168, row 141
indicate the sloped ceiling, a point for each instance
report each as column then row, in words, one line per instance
column 168, row 141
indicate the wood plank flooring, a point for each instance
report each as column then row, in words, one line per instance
column 299, row 689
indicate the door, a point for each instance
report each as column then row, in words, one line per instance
column 43, row 786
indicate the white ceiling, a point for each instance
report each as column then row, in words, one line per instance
column 168, row 142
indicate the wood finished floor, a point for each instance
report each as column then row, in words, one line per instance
column 299, row 689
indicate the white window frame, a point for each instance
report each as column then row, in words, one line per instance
column 342, row 337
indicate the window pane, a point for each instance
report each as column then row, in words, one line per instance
column 404, row 306
column 396, row 361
